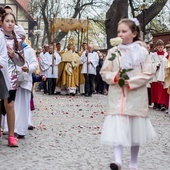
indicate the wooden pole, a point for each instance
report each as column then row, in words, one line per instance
column 81, row 38
column 53, row 57
column 87, row 31
column 87, row 45
column 78, row 43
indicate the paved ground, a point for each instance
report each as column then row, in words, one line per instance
column 67, row 137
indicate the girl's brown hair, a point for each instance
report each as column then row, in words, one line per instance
column 133, row 27
column 13, row 33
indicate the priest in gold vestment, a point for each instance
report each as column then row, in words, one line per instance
column 68, row 77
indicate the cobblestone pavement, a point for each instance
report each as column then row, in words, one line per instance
column 67, row 137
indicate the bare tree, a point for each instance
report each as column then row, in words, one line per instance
column 73, row 8
column 119, row 9
column 151, row 12
column 77, row 9
column 45, row 10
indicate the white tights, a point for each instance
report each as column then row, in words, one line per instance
column 118, row 154
column 134, row 154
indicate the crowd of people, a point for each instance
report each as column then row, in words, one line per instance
column 75, row 73
column 158, row 87
column 69, row 72
column 66, row 73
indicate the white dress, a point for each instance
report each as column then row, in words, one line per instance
column 126, row 131
column 127, row 122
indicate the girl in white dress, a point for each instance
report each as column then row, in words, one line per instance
column 127, row 122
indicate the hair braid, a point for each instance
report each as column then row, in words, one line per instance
column 15, row 41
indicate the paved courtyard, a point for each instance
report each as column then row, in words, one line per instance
column 67, row 137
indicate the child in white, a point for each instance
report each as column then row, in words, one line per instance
column 23, row 94
column 127, row 122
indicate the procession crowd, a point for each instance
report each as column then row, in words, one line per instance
column 72, row 77
column 67, row 73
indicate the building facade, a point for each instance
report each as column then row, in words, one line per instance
column 164, row 36
column 21, row 10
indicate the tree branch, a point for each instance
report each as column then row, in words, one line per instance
column 46, row 19
column 117, row 11
column 151, row 12
column 132, row 8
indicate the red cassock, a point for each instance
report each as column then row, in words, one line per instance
column 159, row 94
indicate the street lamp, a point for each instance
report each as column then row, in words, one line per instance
column 143, row 8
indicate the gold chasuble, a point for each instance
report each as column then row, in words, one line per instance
column 68, row 72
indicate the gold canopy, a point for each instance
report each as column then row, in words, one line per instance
column 68, row 24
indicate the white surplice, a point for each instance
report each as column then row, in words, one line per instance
column 55, row 63
column 23, row 94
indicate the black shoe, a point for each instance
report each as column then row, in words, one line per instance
column 162, row 108
column 5, row 133
column 21, row 136
column 45, row 92
column 115, row 166
column 31, row 127
column 57, row 93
